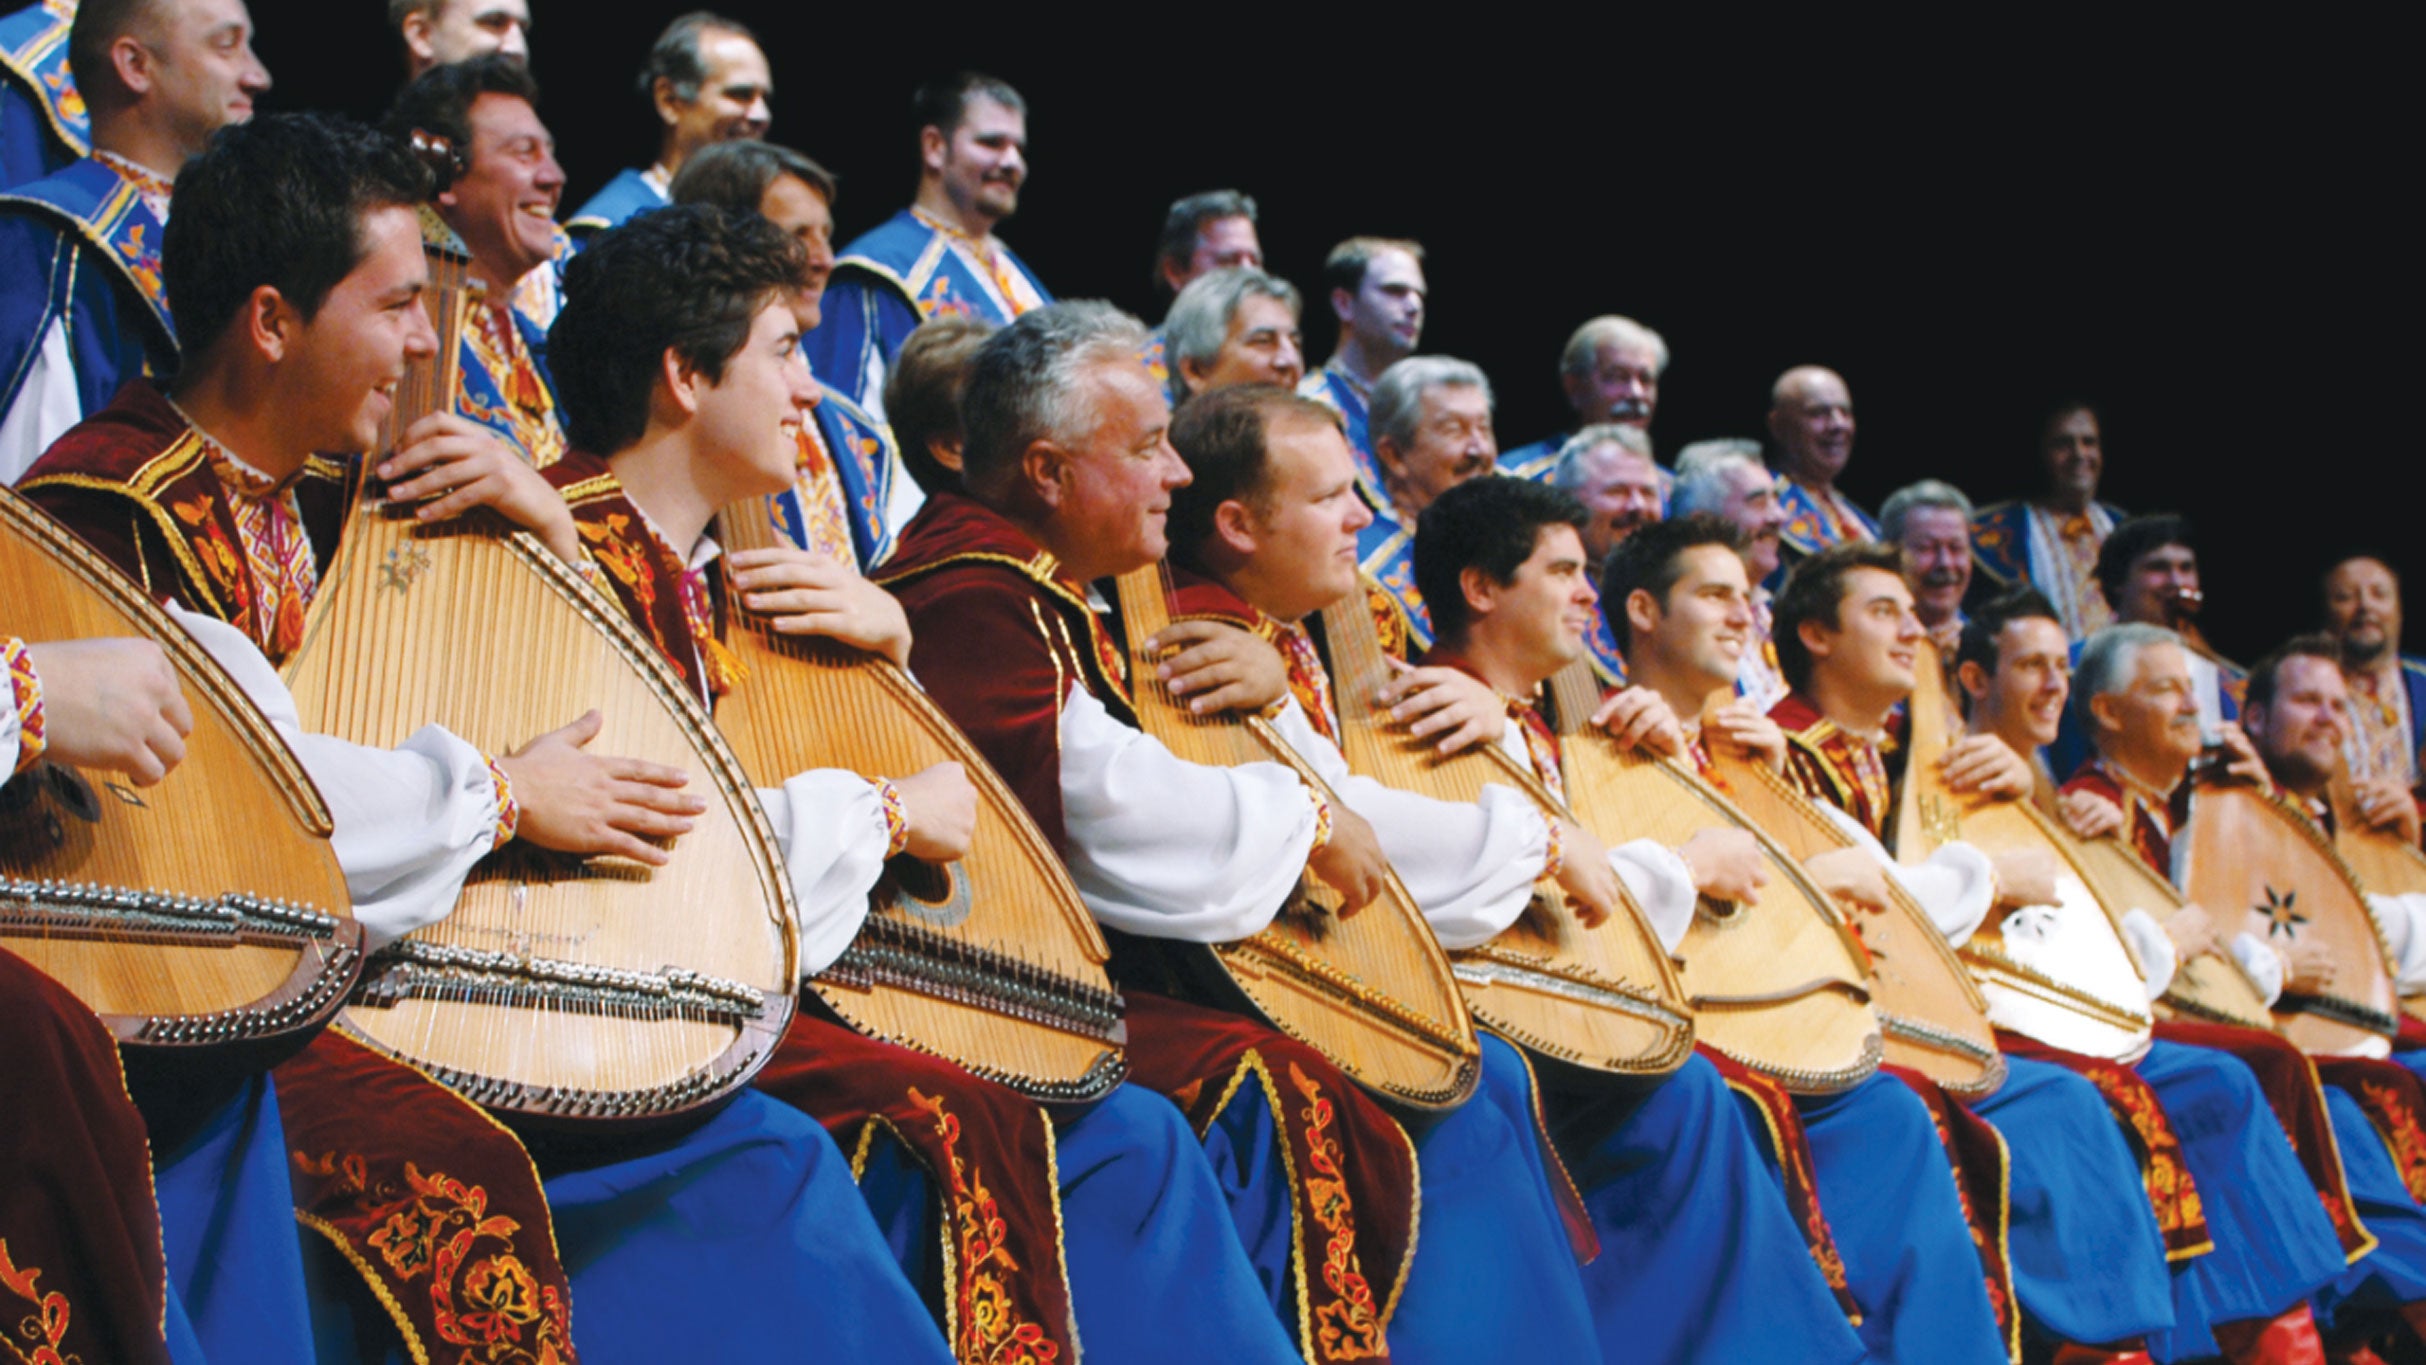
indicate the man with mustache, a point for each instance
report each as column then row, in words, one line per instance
column 43, row 124
column 83, row 311
column 1236, row 326
column 939, row 256
column 707, row 81
column 843, row 494
column 1610, row 371
column 1726, row 479
column 1930, row 522
column 1811, row 421
column 1431, row 430
column 1378, row 296
column 1607, row 468
column 441, row 32
column 2387, row 687
column 501, row 203
column 2051, row 542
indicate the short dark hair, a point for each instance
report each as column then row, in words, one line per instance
column 1492, row 523
column 734, row 175
column 942, row 103
column 674, row 58
column 1815, row 591
column 1652, row 558
column 2134, row 538
column 2266, row 675
column 1982, row 628
column 1345, row 267
column 2057, row 412
column 1224, row 436
column 99, row 23
column 1187, row 220
column 440, row 99
column 922, row 393
column 321, row 175
column 691, row 279
column 400, row 10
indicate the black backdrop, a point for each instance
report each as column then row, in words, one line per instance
column 1968, row 218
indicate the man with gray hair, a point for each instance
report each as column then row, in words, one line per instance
column 443, row 32
column 1379, row 296
column 1214, row 230
column 1610, row 370
column 1811, row 419
column 1608, row 468
column 1930, row 521
column 707, row 81
column 1068, row 474
column 1727, row 479
column 1431, row 431
column 1236, row 326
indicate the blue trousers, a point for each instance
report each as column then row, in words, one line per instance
column 2395, row 1272
column 236, row 1288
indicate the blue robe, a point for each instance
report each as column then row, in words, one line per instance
column 1385, row 551
column 1533, row 461
column 81, row 247
column 1600, row 645
column 864, row 462
column 236, row 1287
column 1332, row 389
column 620, row 200
column 2000, row 541
column 885, row 283
column 43, row 125
column 1809, row 528
column 2394, row 1273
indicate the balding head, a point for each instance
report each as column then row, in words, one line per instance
column 1811, row 419
column 160, row 76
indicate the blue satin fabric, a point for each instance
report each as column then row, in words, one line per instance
column 1892, row 1206
column 227, row 1221
column 2274, row 1246
column 744, row 1239
column 2088, row 1258
column 1700, row 1260
column 2395, row 1272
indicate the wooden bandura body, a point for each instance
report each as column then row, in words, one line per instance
column 2211, row 987
column 1781, row 985
column 1605, row 999
column 1373, row 992
column 992, row 961
column 2383, row 863
column 2259, row 866
column 2075, row 985
column 559, row 988
column 204, row 910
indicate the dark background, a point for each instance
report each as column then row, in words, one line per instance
column 1968, row 217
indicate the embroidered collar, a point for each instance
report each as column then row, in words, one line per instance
column 658, row 178
column 153, row 186
column 1348, row 377
column 241, row 478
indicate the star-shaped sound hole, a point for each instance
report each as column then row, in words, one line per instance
column 2282, row 916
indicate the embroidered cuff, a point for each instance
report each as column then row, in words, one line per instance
column 592, row 574
column 1322, row 821
column 25, row 694
column 509, row 811
column 896, row 819
column 1556, row 859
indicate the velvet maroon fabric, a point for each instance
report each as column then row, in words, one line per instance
column 634, row 563
column 1352, row 1170
column 1820, row 762
column 2289, row 1079
column 1793, row 1153
column 990, row 1152
column 433, row 1202
column 2152, row 841
column 1983, row 1177
column 2172, row 1194
column 82, row 1274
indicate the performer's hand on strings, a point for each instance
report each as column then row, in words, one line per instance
column 1219, row 667
column 2090, row 815
column 813, row 594
column 1449, row 706
column 112, row 704
column 941, row 803
column 1585, row 875
column 1726, row 864
column 2194, row 931
column 1352, row 863
column 1742, row 726
column 1639, row 718
column 1851, row 875
column 2384, row 804
column 459, row 465
column 1986, row 765
column 2307, row 968
column 575, row 801
column 2024, row 877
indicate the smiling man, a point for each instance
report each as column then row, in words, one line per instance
column 441, row 32
column 1610, row 370
column 1378, row 295
column 1431, row 428
column 940, row 255
column 82, row 310
column 1608, row 468
column 1235, row 326
column 706, row 81
column 1811, row 420
column 2051, row 542
column 2387, row 688
column 1930, row 522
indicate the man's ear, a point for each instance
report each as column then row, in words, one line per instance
column 1386, row 454
column 678, row 384
column 661, row 95
column 933, row 145
column 417, row 36
column 1042, row 466
column 271, row 327
column 1642, row 612
column 2106, row 716
column 1818, row 640
column 1973, row 678
column 133, row 62
column 2253, row 723
column 1343, row 305
column 1235, row 525
column 1481, row 593
column 1191, row 375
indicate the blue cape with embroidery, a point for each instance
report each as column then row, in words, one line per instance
column 623, row 198
column 2000, row 540
column 889, row 280
column 43, row 125
column 82, row 247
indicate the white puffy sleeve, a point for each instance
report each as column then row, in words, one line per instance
column 2264, row 965
column 1165, row 848
column 8, row 737
column 410, row 821
column 830, row 826
column 2159, row 960
column 1661, row 884
column 1471, row 866
column 47, row 405
column 2403, row 920
column 1956, row 886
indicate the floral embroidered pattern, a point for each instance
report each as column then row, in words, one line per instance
column 36, row 1338
column 2172, row 1194
column 499, row 386
column 988, row 1329
column 824, row 511
column 25, row 698
column 1308, row 681
column 2398, row 1122
column 482, row 1296
column 1348, row 1327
